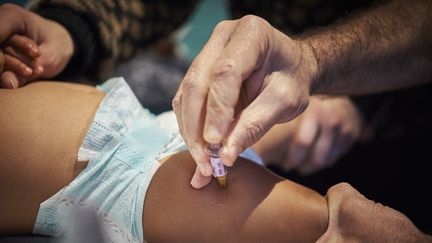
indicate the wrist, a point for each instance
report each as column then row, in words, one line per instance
column 298, row 58
column 311, row 65
column 68, row 44
column 81, row 35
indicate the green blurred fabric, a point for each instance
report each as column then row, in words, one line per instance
column 192, row 36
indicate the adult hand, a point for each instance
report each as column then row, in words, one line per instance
column 316, row 139
column 248, row 77
column 354, row 218
column 54, row 45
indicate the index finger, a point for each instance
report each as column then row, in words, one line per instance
column 194, row 89
column 243, row 54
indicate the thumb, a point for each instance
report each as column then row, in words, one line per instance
column 252, row 123
column 275, row 104
column 336, row 196
column 198, row 180
column 10, row 80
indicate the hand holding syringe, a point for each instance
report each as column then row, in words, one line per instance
column 243, row 81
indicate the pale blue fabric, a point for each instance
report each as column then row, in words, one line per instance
column 123, row 146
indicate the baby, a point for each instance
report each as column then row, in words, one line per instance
column 66, row 146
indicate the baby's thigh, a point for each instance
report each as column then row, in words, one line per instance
column 41, row 128
column 256, row 206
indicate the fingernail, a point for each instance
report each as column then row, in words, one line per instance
column 13, row 83
column 33, row 48
column 198, row 181
column 212, row 135
column 39, row 69
column 206, row 169
column 28, row 71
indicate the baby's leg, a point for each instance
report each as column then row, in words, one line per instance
column 257, row 206
column 42, row 126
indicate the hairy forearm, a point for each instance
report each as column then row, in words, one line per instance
column 387, row 47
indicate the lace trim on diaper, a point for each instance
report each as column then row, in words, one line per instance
column 116, row 111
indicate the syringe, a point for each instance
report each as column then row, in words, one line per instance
column 219, row 171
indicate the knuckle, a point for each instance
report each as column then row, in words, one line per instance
column 224, row 68
column 10, row 7
column 292, row 107
column 349, row 206
column 282, row 94
column 340, row 188
column 222, row 25
column 220, row 108
column 259, row 27
column 176, row 102
column 253, row 21
column 220, row 111
column 189, row 85
column 254, row 131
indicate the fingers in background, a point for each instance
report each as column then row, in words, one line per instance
column 190, row 101
column 324, row 144
column 303, row 143
column 319, row 155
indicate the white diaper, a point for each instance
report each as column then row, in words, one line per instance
column 123, row 146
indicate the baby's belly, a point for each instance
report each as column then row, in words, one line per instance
column 40, row 136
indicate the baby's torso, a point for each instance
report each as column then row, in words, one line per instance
column 42, row 127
